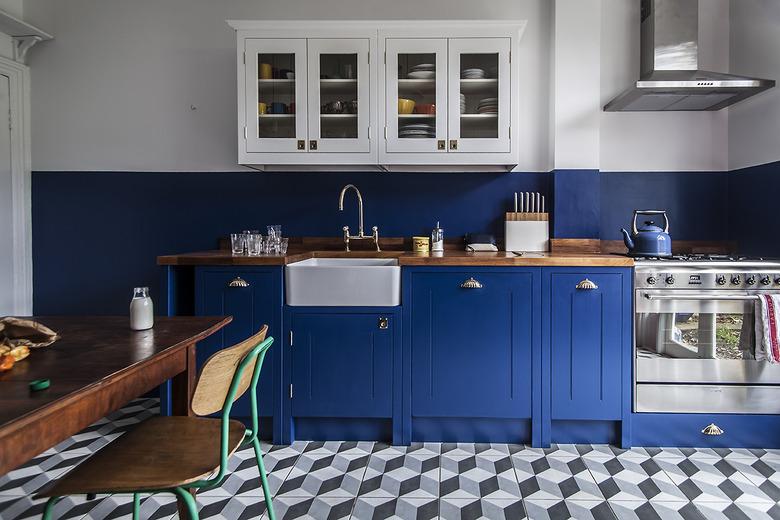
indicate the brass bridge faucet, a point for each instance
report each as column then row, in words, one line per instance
column 360, row 236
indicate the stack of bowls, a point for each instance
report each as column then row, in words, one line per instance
column 488, row 106
column 473, row 74
column 462, row 103
column 417, row 131
column 422, row 71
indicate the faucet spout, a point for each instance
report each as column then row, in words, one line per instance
column 360, row 205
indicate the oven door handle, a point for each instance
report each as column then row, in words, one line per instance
column 733, row 297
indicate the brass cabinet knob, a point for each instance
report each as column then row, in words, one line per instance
column 586, row 285
column 712, row 429
column 301, row 144
column 238, row 282
column 313, row 144
column 453, row 144
column 383, row 323
column 471, row 283
column 441, row 144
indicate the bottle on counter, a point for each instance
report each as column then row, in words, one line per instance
column 141, row 309
column 437, row 239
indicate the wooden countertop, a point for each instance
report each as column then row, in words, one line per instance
column 448, row 258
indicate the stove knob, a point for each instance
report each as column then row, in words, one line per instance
column 670, row 280
column 777, row 280
column 651, row 280
column 766, row 280
column 735, row 280
column 750, row 280
column 721, row 280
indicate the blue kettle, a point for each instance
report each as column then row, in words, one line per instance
column 648, row 239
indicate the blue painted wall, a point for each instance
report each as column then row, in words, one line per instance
column 95, row 235
column 754, row 211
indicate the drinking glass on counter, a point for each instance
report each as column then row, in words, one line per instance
column 254, row 243
column 283, row 246
column 237, row 243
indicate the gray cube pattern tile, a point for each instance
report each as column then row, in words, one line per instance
column 426, row 481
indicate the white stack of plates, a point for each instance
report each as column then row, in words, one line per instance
column 422, row 71
column 472, row 74
column 417, row 131
column 463, row 103
column 488, row 106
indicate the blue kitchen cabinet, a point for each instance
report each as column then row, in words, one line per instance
column 473, row 342
column 342, row 372
column 253, row 297
column 587, row 348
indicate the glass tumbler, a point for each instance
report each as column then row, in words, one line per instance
column 283, row 246
column 254, row 244
column 237, row 243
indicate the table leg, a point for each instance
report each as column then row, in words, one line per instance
column 183, row 386
column 181, row 506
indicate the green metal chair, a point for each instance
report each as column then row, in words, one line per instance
column 179, row 455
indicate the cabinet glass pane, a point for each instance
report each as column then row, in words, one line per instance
column 339, row 96
column 417, row 96
column 276, row 96
column 479, row 96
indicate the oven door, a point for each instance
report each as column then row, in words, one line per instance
column 698, row 337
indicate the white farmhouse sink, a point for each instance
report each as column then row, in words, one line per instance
column 333, row 282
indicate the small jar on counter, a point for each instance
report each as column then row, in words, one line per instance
column 141, row 309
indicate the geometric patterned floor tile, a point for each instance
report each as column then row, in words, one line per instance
column 226, row 508
column 402, row 472
column 475, row 477
column 29, row 478
column 322, row 472
column 709, row 480
column 566, row 509
column 643, row 510
column 555, row 478
column 462, row 449
column 633, row 479
column 732, row 511
column 487, row 508
column 381, row 508
column 19, row 508
column 313, row 508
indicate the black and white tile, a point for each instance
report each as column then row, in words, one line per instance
column 432, row 481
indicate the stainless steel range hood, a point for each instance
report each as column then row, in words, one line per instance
column 670, row 75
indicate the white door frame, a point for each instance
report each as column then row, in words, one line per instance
column 21, row 168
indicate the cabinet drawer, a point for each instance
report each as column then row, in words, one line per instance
column 471, row 343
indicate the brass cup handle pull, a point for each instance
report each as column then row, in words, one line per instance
column 471, row 283
column 712, row 429
column 587, row 285
column 238, row 282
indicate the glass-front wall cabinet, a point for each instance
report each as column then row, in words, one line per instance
column 276, row 95
column 448, row 94
column 339, row 95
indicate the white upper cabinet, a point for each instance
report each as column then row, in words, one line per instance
column 378, row 95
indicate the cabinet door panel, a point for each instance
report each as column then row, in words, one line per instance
column 342, row 365
column 586, row 331
column 471, row 348
column 275, row 95
column 338, row 75
column 479, row 95
column 416, row 70
column 251, row 308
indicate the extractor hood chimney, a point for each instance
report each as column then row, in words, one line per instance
column 670, row 78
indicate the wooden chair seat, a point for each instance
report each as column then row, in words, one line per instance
column 160, row 453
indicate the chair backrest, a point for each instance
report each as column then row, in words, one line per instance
column 217, row 374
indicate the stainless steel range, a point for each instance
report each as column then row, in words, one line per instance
column 695, row 335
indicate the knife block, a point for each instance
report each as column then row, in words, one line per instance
column 527, row 232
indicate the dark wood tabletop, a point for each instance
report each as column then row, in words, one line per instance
column 97, row 366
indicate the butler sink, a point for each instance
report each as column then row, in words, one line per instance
column 350, row 282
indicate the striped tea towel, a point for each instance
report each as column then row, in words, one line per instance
column 768, row 328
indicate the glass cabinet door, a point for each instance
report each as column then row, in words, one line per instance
column 416, row 91
column 338, row 95
column 479, row 92
column 276, row 95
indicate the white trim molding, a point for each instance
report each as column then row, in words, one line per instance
column 21, row 167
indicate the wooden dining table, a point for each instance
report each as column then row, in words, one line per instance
column 97, row 366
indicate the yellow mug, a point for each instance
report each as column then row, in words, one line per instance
column 262, row 108
column 266, row 71
column 421, row 244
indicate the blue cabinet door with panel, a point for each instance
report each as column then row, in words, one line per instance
column 342, row 363
column 253, row 296
column 472, row 336
column 589, row 341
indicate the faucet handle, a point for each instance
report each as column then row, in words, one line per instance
column 375, row 234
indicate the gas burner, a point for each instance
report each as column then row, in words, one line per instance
column 700, row 257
